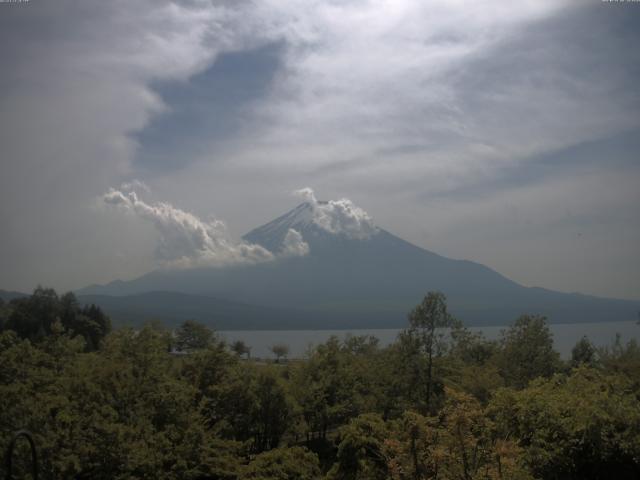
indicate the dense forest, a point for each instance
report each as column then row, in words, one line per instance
column 439, row 403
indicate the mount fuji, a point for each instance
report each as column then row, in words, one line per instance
column 355, row 275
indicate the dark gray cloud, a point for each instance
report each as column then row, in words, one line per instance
column 207, row 112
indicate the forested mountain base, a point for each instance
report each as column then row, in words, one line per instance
column 436, row 404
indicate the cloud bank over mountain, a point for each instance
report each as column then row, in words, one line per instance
column 186, row 241
column 339, row 217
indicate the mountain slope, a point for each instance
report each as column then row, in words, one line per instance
column 173, row 308
column 8, row 295
column 368, row 282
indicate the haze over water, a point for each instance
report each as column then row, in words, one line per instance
column 565, row 336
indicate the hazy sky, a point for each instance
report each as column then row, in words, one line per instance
column 502, row 132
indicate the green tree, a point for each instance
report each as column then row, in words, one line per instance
column 280, row 350
column 339, row 381
column 411, row 447
column 584, row 352
column 89, row 321
column 361, row 451
column 192, row 335
column 273, row 410
column 294, row 463
column 241, row 348
column 471, row 364
column 622, row 358
column 5, row 313
column 33, row 316
column 428, row 324
column 585, row 425
column 527, row 351
column 471, row 347
column 470, row 447
column 409, row 364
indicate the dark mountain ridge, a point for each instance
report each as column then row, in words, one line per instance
column 347, row 282
column 8, row 295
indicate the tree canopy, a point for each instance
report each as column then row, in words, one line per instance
column 126, row 406
column 40, row 314
column 192, row 335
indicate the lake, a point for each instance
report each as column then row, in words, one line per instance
column 565, row 336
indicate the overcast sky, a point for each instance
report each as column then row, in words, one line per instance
column 502, row 132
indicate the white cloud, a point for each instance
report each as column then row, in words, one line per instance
column 387, row 82
column 307, row 194
column 187, row 241
column 427, row 95
column 385, row 99
column 78, row 83
column 135, row 186
column 293, row 245
column 340, row 217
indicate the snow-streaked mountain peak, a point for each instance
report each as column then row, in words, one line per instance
column 315, row 219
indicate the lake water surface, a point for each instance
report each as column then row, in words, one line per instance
column 565, row 336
